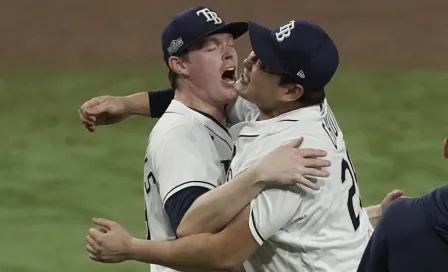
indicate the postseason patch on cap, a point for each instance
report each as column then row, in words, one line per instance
column 175, row 45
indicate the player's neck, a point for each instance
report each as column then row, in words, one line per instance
column 274, row 112
column 191, row 100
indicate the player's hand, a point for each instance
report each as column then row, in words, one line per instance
column 395, row 194
column 103, row 110
column 445, row 148
column 109, row 245
column 290, row 164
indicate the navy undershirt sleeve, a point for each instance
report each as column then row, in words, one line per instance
column 159, row 101
column 178, row 204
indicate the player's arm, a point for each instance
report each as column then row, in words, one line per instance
column 229, row 248
column 106, row 110
column 240, row 110
column 376, row 211
column 212, row 211
column 224, row 251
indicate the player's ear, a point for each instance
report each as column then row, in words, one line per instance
column 177, row 64
column 292, row 92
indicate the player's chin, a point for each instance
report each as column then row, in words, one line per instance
column 241, row 87
column 228, row 89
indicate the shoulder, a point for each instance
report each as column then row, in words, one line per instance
column 241, row 110
column 176, row 128
column 289, row 130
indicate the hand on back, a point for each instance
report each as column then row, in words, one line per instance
column 289, row 164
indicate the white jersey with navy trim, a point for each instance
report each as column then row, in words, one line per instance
column 185, row 148
column 299, row 229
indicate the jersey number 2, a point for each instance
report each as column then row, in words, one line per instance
column 348, row 166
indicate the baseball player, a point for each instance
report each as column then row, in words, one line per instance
column 412, row 235
column 190, row 149
column 283, row 229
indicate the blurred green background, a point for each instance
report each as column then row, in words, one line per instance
column 389, row 98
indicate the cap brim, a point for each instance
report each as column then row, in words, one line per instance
column 264, row 48
column 236, row 29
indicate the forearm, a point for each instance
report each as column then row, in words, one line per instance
column 374, row 213
column 138, row 104
column 152, row 104
column 193, row 253
column 214, row 210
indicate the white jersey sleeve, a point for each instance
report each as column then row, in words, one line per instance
column 271, row 210
column 183, row 159
column 241, row 110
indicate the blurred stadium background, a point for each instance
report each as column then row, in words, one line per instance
column 389, row 97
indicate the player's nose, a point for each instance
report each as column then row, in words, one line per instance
column 250, row 61
column 229, row 53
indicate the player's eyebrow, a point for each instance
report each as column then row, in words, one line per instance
column 210, row 40
column 213, row 40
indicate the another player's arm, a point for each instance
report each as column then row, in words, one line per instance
column 224, row 251
column 152, row 104
column 213, row 210
column 229, row 248
column 376, row 211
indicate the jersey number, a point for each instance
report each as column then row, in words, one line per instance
column 148, row 235
column 347, row 166
column 147, row 186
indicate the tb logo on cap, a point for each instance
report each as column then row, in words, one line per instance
column 209, row 15
column 284, row 31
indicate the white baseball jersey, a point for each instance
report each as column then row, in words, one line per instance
column 186, row 148
column 299, row 229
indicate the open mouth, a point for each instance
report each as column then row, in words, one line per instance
column 229, row 75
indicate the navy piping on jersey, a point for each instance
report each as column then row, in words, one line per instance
column 219, row 137
column 174, row 112
column 321, row 109
column 204, row 182
column 213, row 119
column 247, row 136
column 255, row 226
column 289, row 120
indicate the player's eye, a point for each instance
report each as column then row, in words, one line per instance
column 210, row 47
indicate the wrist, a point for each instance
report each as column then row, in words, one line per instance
column 256, row 176
column 132, row 250
column 375, row 211
column 149, row 251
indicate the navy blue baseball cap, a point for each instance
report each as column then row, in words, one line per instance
column 300, row 49
column 191, row 26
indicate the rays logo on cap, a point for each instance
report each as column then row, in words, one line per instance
column 175, row 45
column 284, row 31
column 210, row 15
